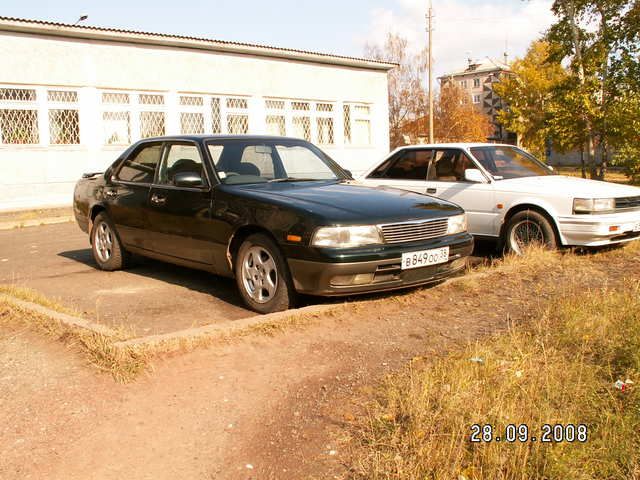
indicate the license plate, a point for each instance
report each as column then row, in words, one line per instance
column 637, row 227
column 424, row 258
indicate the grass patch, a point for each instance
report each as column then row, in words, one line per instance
column 123, row 364
column 30, row 295
column 558, row 369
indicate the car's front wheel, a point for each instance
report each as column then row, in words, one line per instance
column 262, row 275
column 107, row 249
column 529, row 228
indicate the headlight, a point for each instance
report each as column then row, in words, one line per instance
column 345, row 237
column 592, row 205
column 457, row 224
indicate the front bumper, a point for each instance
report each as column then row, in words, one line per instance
column 598, row 230
column 332, row 278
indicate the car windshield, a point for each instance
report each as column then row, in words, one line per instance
column 274, row 160
column 505, row 162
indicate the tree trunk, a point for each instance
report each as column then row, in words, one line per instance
column 582, row 164
column 577, row 48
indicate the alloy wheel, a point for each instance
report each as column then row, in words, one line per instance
column 259, row 274
column 103, row 241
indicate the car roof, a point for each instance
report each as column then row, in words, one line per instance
column 219, row 137
column 456, row 145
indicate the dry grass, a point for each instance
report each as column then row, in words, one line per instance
column 123, row 364
column 611, row 176
column 560, row 368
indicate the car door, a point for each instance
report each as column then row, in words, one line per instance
column 446, row 180
column 407, row 169
column 127, row 192
column 180, row 216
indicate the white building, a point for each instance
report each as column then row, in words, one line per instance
column 73, row 97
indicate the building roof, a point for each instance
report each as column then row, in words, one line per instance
column 42, row 27
column 481, row 66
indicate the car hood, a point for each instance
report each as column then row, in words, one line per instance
column 570, row 186
column 347, row 202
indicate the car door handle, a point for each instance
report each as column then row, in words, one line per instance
column 158, row 199
column 431, row 190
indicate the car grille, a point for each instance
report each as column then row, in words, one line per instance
column 627, row 202
column 414, row 231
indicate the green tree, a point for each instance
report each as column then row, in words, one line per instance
column 528, row 93
column 599, row 41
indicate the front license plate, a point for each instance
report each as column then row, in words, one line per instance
column 424, row 258
column 637, row 227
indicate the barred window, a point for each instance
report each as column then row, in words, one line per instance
column 191, row 100
column 117, row 128
column 150, row 99
column 357, row 124
column 276, row 125
column 238, row 124
column 18, row 116
column 216, row 116
column 302, row 127
column 274, row 104
column 19, row 126
column 346, row 119
column 62, row 96
column 325, row 131
column 191, row 123
column 152, row 124
column 64, row 117
column 115, row 98
column 237, row 103
column 64, row 127
column 18, row 94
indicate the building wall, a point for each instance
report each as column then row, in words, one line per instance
column 249, row 89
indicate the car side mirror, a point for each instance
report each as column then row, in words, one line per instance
column 348, row 172
column 474, row 175
column 188, row 179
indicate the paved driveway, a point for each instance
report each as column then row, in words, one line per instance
column 151, row 297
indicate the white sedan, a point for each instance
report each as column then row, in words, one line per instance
column 511, row 196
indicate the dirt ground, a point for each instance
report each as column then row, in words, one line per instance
column 261, row 406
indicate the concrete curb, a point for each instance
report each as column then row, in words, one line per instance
column 224, row 328
column 35, row 222
column 64, row 318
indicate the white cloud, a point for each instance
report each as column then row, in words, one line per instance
column 463, row 29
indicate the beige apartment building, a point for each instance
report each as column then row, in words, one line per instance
column 477, row 81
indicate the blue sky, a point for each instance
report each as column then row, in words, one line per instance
column 476, row 28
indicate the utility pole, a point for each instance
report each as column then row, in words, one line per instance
column 429, row 65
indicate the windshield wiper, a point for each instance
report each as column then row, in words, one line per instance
column 292, row 179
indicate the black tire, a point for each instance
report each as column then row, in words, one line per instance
column 106, row 246
column 265, row 285
column 528, row 228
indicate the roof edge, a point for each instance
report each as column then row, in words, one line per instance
column 20, row 25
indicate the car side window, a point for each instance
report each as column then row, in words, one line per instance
column 449, row 166
column 180, row 158
column 140, row 166
column 407, row 165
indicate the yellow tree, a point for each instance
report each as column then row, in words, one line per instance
column 456, row 119
column 527, row 94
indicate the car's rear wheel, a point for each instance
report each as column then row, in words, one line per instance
column 108, row 251
column 529, row 228
column 262, row 275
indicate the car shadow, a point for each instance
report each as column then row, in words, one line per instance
column 225, row 289
column 197, row 280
